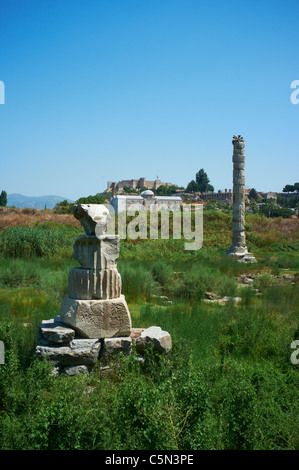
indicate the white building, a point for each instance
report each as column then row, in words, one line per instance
column 147, row 199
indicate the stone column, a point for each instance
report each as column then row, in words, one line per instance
column 238, row 248
column 94, row 306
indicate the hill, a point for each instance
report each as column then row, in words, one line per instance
column 34, row 202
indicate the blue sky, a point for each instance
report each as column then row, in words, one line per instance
column 99, row 90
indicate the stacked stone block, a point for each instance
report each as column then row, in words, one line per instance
column 67, row 353
column 94, row 322
column 238, row 248
column 94, row 306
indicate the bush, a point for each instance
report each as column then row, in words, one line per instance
column 162, row 273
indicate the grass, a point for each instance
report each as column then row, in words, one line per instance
column 228, row 382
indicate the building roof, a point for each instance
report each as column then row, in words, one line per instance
column 126, row 196
column 146, row 193
column 140, row 198
column 169, row 198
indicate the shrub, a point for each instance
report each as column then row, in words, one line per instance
column 162, row 272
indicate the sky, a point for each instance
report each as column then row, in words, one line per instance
column 105, row 90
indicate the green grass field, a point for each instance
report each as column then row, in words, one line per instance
column 228, row 382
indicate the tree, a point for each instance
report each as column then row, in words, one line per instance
column 253, row 206
column 97, row 199
column 271, row 209
column 129, row 190
column 289, row 201
column 203, row 181
column 63, row 207
column 3, row 198
column 166, row 190
column 253, row 195
column 192, row 187
column 289, row 188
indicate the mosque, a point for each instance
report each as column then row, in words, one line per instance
column 147, row 198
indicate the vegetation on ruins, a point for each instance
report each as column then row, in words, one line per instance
column 167, row 190
column 228, row 383
column 129, row 190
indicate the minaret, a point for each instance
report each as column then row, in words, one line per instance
column 238, row 248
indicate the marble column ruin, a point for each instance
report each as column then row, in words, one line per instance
column 94, row 324
column 94, row 306
column 238, row 248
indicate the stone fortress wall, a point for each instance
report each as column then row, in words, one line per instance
column 137, row 184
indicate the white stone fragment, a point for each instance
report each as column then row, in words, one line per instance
column 93, row 217
column 161, row 340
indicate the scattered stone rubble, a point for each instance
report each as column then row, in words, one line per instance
column 94, row 323
column 247, row 280
column 70, row 354
column 212, row 298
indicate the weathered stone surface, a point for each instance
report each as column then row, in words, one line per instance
column 161, row 340
column 79, row 352
column 87, row 284
column 114, row 346
column 245, row 279
column 56, row 332
column 210, row 296
column 93, row 217
column 97, row 252
column 238, row 248
column 239, row 151
column 97, row 318
column 135, row 333
column 243, row 257
column 75, row 370
column 223, row 300
column 239, row 165
column 238, row 179
column 240, row 225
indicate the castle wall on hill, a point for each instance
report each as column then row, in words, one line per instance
column 137, row 184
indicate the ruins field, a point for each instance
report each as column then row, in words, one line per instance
column 227, row 383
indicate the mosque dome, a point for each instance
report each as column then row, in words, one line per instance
column 147, row 194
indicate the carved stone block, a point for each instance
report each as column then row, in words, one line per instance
column 97, row 318
column 87, row 284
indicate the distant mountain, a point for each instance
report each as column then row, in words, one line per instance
column 34, row 202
